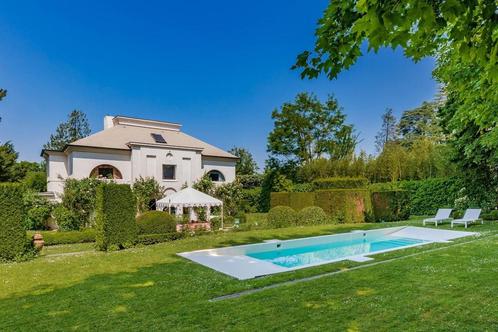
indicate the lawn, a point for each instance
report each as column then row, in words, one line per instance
column 72, row 287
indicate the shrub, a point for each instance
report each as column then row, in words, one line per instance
column 12, row 213
column 250, row 181
column 79, row 198
column 391, row 205
column 65, row 219
column 281, row 216
column 251, row 200
column 492, row 215
column 145, row 191
column 312, row 215
column 38, row 210
column 303, row 187
column 340, row 183
column 36, row 181
column 156, row 222
column 345, row 205
column 115, row 217
column 148, row 239
column 231, row 195
column 52, row 238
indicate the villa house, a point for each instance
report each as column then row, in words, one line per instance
column 129, row 148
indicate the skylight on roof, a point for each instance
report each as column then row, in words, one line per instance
column 158, row 138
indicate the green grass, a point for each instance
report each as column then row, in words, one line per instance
column 150, row 288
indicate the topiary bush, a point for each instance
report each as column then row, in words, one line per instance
column 115, row 209
column 340, row 183
column 13, row 240
column 393, row 205
column 156, row 222
column 280, row 199
column 312, row 215
column 281, row 216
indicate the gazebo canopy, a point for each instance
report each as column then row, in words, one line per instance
column 188, row 197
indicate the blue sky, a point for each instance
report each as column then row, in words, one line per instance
column 217, row 67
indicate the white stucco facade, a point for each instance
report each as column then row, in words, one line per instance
column 128, row 146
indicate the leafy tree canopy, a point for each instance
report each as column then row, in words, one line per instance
column 246, row 165
column 421, row 27
column 420, row 122
column 307, row 129
column 75, row 128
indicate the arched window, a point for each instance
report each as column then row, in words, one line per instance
column 216, row 176
column 106, row 172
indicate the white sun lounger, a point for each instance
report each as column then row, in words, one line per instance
column 442, row 215
column 471, row 216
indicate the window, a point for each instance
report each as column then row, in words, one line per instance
column 216, row 176
column 106, row 172
column 169, row 172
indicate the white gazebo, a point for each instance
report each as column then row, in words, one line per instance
column 189, row 198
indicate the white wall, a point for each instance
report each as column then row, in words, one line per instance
column 225, row 166
column 83, row 162
column 166, row 156
column 132, row 165
column 56, row 172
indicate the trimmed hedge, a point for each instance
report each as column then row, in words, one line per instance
column 147, row 239
column 340, row 183
column 312, row 215
column 391, row 205
column 156, row 222
column 115, row 210
column 281, row 216
column 280, row 199
column 345, row 205
column 13, row 239
column 53, row 238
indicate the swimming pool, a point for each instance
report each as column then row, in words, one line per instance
column 330, row 251
column 276, row 256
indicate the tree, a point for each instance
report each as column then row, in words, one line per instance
column 461, row 35
column 3, row 94
column 8, row 158
column 75, row 128
column 246, row 164
column 388, row 131
column 420, row 122
column 308, row 129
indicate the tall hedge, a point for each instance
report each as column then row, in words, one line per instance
column 340, row 183
column 12, row 232
column 345, row 205
column 115, row 209
column 392, row 205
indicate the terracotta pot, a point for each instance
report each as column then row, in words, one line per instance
column 38, row 241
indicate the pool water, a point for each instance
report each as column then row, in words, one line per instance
column 319, row 253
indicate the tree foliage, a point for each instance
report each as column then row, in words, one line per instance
column 461, row 35
column 307, row 129
column 246, row 165
column 145, row 191
column 420, row 122
column 8, row 158
column 75, row 128
column 388, row 132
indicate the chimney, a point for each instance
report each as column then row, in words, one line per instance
column 108, row 123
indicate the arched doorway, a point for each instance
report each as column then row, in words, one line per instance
column 106, row 172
